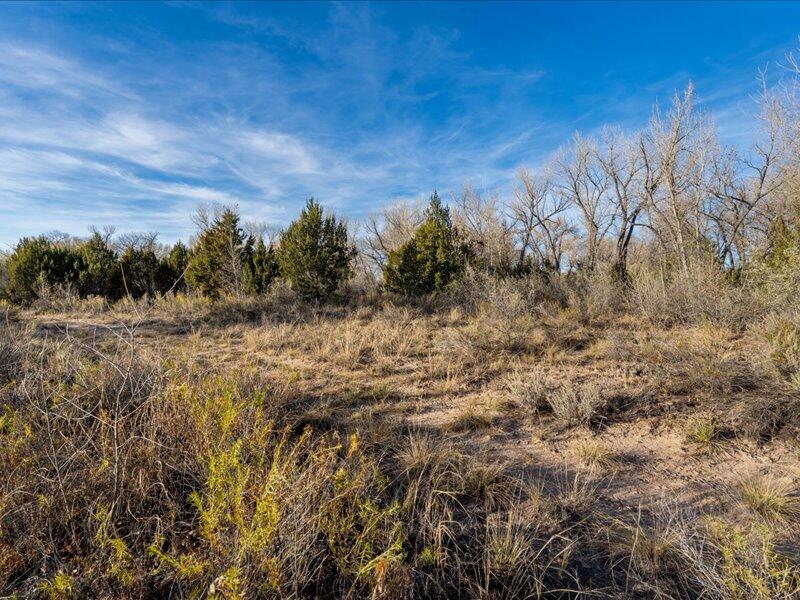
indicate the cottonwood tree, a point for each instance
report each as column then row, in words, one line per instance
column 538, row 216
column 746, row 186
column 677, row 152
column 620, row 159
column 481, row 225
column 582, row 180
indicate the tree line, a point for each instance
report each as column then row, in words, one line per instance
column 670, row 196
column 315, row 255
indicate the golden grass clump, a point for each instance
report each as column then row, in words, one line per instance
column 777, row 501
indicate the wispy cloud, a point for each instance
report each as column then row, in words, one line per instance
column 137, row 122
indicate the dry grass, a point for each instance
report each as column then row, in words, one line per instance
column 597, row 455
column 704, row 358
column 776, row 501
column 704, row 434
column 471, row 418
column 270, row 455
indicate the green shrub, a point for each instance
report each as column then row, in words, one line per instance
column 315, row 255
column 430, row 260
column 38, row 262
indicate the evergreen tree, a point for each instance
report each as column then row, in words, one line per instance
column 173, row 268
column 99, row 276
column 38, row 262
column 315, row 254
column 216, row 264
column 140, row 272
column 431, row 259
column 262, row 269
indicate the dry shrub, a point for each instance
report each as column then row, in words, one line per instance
column 503, row 321
column 655, row 552
column 766, row 416
column 678, row 555
column 596, row 296
column 505, row 315
column 279, row 304
column 703, row 358
column 529, row 389
column 782, row 333
column 183, row 307
column 704, row 294
column 384, row 340
column 65, row 299
column 536, row 293
column 573, row 404
column 776, row 280
column 11, row 351
column 578, row 404
column 494, row 332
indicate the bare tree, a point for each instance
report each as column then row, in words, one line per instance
column 138, row 240
column 622, row 163
column 677, row 153
column 583, row 182
column 386, row 231
column 745, row 187
column 538, row 217
column 480, row 222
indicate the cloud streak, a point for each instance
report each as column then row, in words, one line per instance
column 136, row 124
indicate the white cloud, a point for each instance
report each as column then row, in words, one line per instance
column 363, row 115
column 34, row 67
column 287, row 150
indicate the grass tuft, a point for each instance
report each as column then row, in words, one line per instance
column 776, row 501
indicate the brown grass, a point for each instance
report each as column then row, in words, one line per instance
column 238, row 451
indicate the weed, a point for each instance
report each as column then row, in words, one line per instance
column 60, row 587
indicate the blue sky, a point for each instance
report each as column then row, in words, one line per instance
column 133, row 114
